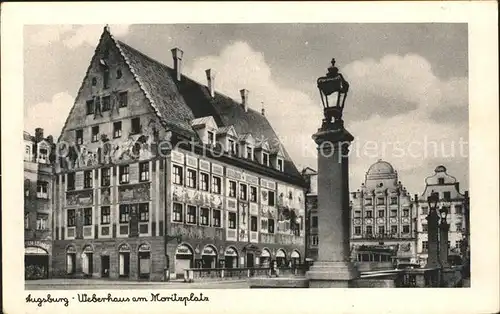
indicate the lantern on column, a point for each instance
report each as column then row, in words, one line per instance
column 333, row 90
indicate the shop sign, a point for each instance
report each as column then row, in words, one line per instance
column 43, row 245
column 183, row 249
column 208, row 250
column 231, row 252
column 144, row 247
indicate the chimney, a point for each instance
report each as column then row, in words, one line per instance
column 263, row 111
column 177, row 55
column 38, row 135
column 211, row 81
column 244, row 98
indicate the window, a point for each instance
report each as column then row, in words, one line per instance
column 106, row 103
column 232, row 220
column 117, row 129
column 280, row 164
column 87, row 216
column 210, row 138
column 119, row 73
column 394, row 212
column 406, row 212
column 27, row 153
column 380, row 213
column 191, row 178
column 124, row 176
column 243, row 192
column 425, row 245
column 253, row 194
column 124, row 213
column 447, row 195
column 369, row 230
column 105, row 215
column 270, row 225
column 87, row 179
column 314, row 222
column 203, row 181
column 380, row 201
column 90, row 106
column 449, row 244
column 144, row 212
column 216, row 185
column 394, row 200
column 231, row 147
column 425, row 210
column 249, row 152
column 440, row 180
column 270, row 198
column 381, row 230
column 144, row 171
column 105, row 78
column 232, row 189
column 368, row 201
column 178, row 175
column 216, row 218
column 191, row 214
column 357, row 214
column 253, row 223
column 458, row 209
column 135, row 127
column 70, row 217
column 79, row 137
column 94, row 81
column 42, row 221
column 123, row 99
column 204, row 214
column 42, row 155
column 177, row 212
column 458, row 227
column 368, row 214
column 357, row 230
column 26, row 221
column 42, row 189
column 95, row 133
column 424, row 228
column 406, row 229
column 314, row 240
column 394, row 229
column 265, row 159
column 70, row 184
column 105, row 176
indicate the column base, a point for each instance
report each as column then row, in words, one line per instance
column 332, row 275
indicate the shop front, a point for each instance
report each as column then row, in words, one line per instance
column 144, row 261
column 281, row 258
column 209, row 257
column 231, row 257
column 183, row 259
column 36, row 263
column 265, row 258
column 295, row 258
column 70, row 260
column 87, row 261
column 124, row 261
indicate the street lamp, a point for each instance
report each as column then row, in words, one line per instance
column 432, row 231
column 444, row 227
column 333, row 84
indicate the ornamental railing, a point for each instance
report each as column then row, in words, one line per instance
column 208, row 274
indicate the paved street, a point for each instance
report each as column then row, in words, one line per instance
column 86, row 284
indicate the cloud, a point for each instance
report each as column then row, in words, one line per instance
column 73, row 36
column 49, row 115
column 400, row 84
column 390, row 107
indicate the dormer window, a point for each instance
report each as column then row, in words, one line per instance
column 250, row 152
column 210, row 138
column 231, row 147
column 440, row 181
column 43, row 155
column 265, row 159
column 280, row 164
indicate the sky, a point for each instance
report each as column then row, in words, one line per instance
column 407, row 104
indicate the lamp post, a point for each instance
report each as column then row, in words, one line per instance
column 444, row 226
column 432, row 232
column 333, row 267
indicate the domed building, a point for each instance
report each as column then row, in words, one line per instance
column 382, row 218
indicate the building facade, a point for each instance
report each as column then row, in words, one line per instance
column 450, row 197
column 382, row 218
column 312, row 241
column 37, row 204
column 162, row 174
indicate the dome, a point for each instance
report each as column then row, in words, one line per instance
column 381, row 168
column 440, row 168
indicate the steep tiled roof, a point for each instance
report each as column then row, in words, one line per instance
column 178, row 103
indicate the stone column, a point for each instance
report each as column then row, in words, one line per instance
column 443, row 243
column 432, row 238
column 333, row 268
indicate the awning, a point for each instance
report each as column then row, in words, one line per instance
column 208, row 250
column 34, row 250
column 231, row 252
column 265, row 253
column 295, row 254
column 183, row 250
column 280, row 253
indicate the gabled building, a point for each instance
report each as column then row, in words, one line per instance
column 312, row 241
column 38, row 191
column 450, row 198
column 163, row 172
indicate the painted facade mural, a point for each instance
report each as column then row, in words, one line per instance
column 196, row 232
column 135, row 193
column 105, row 196
column 194, row 197
column 243, row 221
column 79, row 198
